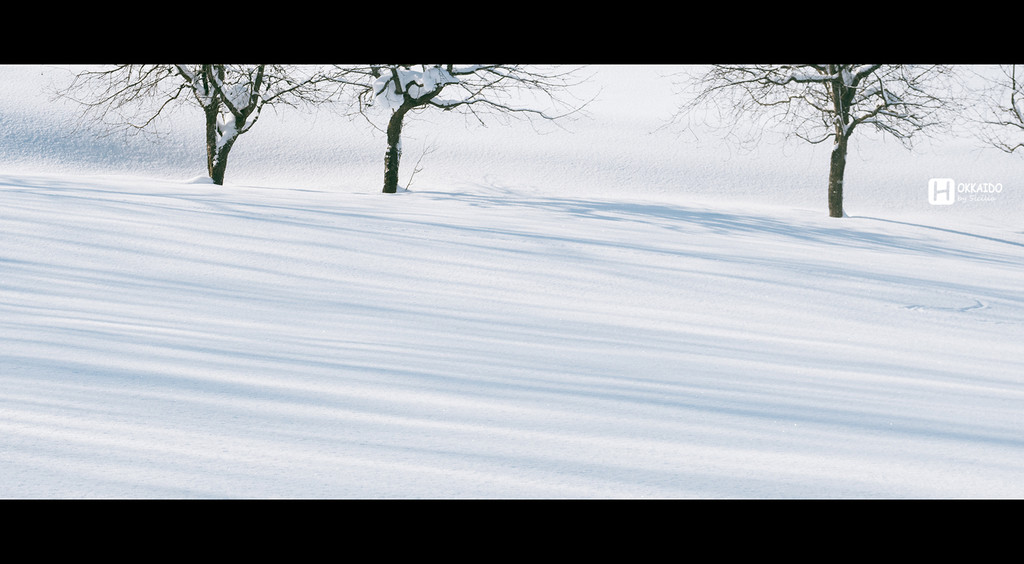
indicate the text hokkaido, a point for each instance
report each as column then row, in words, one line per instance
column 982, row 188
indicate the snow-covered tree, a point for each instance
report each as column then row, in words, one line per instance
column 231, row 97
column 817, row 103
column 478, row 90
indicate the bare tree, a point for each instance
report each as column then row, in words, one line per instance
column 999, row 107
column 231, row 97
column 477, row 90
column 828, row 102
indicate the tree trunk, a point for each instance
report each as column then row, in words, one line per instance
column 217, row 149
column 394, row 152
column 836, row 171
column 220, row 163
column 211, row 142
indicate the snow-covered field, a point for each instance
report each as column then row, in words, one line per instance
column 608, row 311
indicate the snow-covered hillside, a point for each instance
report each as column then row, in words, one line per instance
column 610, row 310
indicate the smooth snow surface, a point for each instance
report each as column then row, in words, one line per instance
column 608, row 311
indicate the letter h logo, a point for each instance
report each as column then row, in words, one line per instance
column 941, row 191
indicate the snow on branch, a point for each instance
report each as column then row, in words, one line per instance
column 505, row 89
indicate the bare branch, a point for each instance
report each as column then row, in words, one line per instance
column 822, row 101
column 998, row 106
